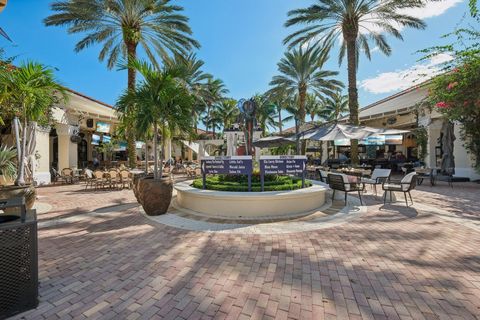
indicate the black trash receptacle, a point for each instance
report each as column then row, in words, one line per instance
column 18, row 258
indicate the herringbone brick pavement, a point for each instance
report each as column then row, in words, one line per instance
column 392, row 263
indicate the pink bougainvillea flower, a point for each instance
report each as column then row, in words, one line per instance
column 452, row 85
column 455, row 70
column 442, row 104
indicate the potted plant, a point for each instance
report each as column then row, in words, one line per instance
column 163, row 103
column 28, row 92
column 8, row 169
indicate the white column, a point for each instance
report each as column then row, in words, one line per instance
column 42, row 149
column 201, row 150
column 168, row 148
column 463, row 160
column 67, row 150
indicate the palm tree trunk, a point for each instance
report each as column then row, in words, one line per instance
column 20, row 181
column 302, row 93
column 155, row 151
column 146, row 156
column 131, row 151
column 280, row 119
column 353, row 93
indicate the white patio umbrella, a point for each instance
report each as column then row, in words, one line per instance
column 272, row 142
column 336, row 131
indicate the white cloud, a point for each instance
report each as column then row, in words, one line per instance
column 375, row 49
column 406, row 78
column 432, row 9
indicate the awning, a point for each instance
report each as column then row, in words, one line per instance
column 272, row 142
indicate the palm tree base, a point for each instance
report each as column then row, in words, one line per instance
column 27, row 191
column 154, row 195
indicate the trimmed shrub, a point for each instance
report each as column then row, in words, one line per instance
column 240, row 183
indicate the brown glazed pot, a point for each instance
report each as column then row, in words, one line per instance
column 28, row 191
column 154, row 195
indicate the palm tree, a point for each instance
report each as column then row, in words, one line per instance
column 355, row 22
column 195, row 80
column 157, row 26
column 313, row 106
column 163, row 103
column 214, row 93
column 334, row 107
column 213, row 120
column 29, row 91
column 301, row 73
column 228, row 111
column 266, row 112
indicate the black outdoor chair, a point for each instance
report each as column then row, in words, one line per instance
column 340, row 182
column 407, row 184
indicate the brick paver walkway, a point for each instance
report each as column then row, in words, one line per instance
column 392, row 263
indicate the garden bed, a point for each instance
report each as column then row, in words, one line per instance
column 240, row 183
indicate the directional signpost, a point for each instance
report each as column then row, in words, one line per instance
column 291, row 165
column 227, row 165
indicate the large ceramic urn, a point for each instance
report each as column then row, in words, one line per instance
column 154, row 195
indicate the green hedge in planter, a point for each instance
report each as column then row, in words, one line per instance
column 240, row 183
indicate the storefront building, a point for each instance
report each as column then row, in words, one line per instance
column 400, row 111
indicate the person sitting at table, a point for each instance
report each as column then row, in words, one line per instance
column 342, row 157
column 400, row 157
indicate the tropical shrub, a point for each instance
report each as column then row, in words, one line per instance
column 456, row 95
column 7, row 162
column 239, row 183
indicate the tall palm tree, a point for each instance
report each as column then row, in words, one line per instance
column 121, row 26
column 354, row 22
column 29, row 91
column 334, row 107
column 163, row 104
column 301, row 72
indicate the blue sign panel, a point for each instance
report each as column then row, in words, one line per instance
column 292, row 165
column 227, row 165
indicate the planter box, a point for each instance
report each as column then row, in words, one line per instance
column 18, row 259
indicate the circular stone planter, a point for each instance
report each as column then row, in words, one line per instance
column 249, row 205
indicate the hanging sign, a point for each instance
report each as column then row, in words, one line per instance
column 291, row 165
column 239, row 165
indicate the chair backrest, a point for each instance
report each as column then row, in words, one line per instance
column 323, row 175
column 67, row 172
column 336, row 181
column 98, row 174
column 409, row 181
column 88, row 173
column 124, row 174
column 381, row 173
column 113, row 173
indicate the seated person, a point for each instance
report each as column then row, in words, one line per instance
column 400, row 157
column 342, row 157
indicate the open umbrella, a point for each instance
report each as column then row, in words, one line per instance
column 336, row 131
column 272, row 142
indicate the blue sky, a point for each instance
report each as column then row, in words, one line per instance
column 241, row 44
